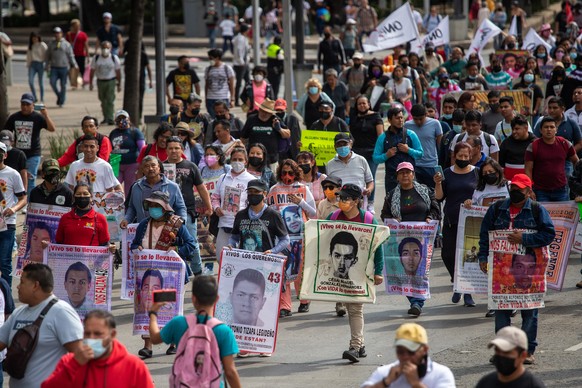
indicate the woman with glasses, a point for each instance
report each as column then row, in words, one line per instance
column 158, row 147
column 296, row 204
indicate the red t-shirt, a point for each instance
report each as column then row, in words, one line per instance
column 549, row 159
column 88, row 230
column 78, row 42
column 160, row 153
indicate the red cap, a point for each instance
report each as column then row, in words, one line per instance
column 521, row 181
column 280, row 104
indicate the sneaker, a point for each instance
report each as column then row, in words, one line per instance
column 145, row 353
column 530, row 359
column 171, row 350
column 285, row 313
column 265, row 354
column 490, row 313
column 362, row 352
column 340, row 309
column 579, row 284
column 469, row 302
column 303, row 308
column 513, row 313
column 456, row 297
column 415, row 310
column 352, row 354
column 243, row 354
column 370, row 208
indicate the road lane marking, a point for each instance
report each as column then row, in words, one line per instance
column 574, row 348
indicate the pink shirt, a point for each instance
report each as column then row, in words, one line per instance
column 259, row 94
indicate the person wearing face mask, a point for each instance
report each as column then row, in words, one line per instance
column 354, row 76
column 456, row 65
column 291, row 121
column 458, row 117
column 330, row 52
column 176, row 112
column 556, row 83
column 546, row 33
column 126, row 141
column 89, row 126
column 51, row 191
column 541, row 55
column 100, row 360
column 312, row 178
column 455, row 185
column 492, row 115
column 328, row 121
column 413, row 76
column 498, row 79
column 275, row 64
column 432, row 59
column 445, row 86
column 15, row 158
column 518, row 212
column 330, row 187
column 258, row 165
column 512, row 150
column 414, row 368
column 572, row 81
column 197, row 120
column 338, row 92
column 473, row 80
column 220, row 79
column 510, row 345
column 472, row 126
column 528, row 79
column 308, row 104
column 183, row 79
column 106, row 67
column 256, row 91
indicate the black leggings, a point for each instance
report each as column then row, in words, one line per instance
column 449, row 248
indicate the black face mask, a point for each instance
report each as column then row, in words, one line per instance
column 174, row 110
column 490, row 179
column 82, row 202
column 53, row 178
column 327, row 35
column 357, row 65
column 255, row 161
column 281, row 115
column 494, row 107
column 324, row 115
column 496, row 69
column 404, row 65
column 511, row 46
column 220, row 117
column 422, row 368
column 504, row 365
column 186, row 66
column 255, row 199
column 195, row 112
column 516, row 196
column 305, row 168
column 462, row 163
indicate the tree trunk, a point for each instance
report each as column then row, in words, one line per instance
column 133, row 69
column 41, row 8
column 3, row 92
column 92, row 12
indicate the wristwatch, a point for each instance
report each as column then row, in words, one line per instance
column 152, row 312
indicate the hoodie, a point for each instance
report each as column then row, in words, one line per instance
column 120, row 369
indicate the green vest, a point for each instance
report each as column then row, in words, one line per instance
column 273, row 50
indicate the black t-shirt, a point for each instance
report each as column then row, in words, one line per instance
column 182, row 82
column 412, row 207
column 62, row 195
column 258, row 131
column 335, row 125
column 513, row 151
column 363, row 129
column 253, row 233
column 311, row 111
column 188, row 176
column 16, row 159
column 526, row 380
column 110, row 36
column 26, row 130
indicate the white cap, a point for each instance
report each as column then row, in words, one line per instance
column 358, row 55
column 107, row 15
column 121, row 113
column 3, row 147
column 57, row 29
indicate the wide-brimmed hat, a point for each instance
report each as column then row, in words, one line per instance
column 194, row 133
column 267, row 105
column 161, row 198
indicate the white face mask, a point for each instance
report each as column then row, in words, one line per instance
column 237, row 167
column 259, row 77
column 105, row 52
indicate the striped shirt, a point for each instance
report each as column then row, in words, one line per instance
column 499, row 81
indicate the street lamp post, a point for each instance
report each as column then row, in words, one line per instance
column 159, row 32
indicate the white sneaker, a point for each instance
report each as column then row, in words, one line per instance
column 370, row 208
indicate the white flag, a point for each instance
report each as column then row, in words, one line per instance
column 533, row 40
column 439, row 36
column 398, row 28
column 485, row 33
column 513, row 27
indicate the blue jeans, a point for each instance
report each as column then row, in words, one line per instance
column 569, row 170
column 210, row 106
column 425, row 175
column 32, row 163
column 34, row 69
column 557, row 195
column 6, row 244
column 529, row 325
column 195, row 261
column 373, row 168
column 227, row 44
column 417, row 301
column 211, row 33
column 60, row 74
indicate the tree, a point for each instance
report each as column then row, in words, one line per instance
column 133, row 68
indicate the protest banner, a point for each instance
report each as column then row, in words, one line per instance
column 320, row 144
column 205, row 238
column 112, row 206
column 339, row 260
column 398, row 28
column 157, row 270
column 533, row 40
column 249, row 291
column 577, row 245
column 469, row 279
column 408, row 256
column 127, row 275
column 83, row 276
column 565, row 217
column 42, row 222
column 517, row 274
column 522, row 99
column 231, row 204
column 486, row 31
column 170, row 171
column 439, row 36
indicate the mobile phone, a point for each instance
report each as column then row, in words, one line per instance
column 38, row 107
column 439, row 170
column 164, row 296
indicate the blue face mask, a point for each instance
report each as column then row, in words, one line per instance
column 343, row 151
column 156, row 212
column 313, row 90
column 573, row 55
column 528, row 77
column 457, row 128
column 97, row 345
column 447, row 116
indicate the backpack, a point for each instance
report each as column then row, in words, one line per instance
column 368, row 217
column 197, row 362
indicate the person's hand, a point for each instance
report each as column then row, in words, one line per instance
column 44, row 112
column 207, row 212
column 299, row 144
column 140, row 248
column 410, row 371
column 91, row 86
column 285, row 133
column 112, row 248
column 219, row 212
column 294, row 198
column 229, row 247
column 428, row 219
column 378, row 279
column 578, row 198
column 397, row 219
column 393, row 375
column 157, row 306
column 151, row 85
column 438, row 178
column 366, row 192
column 84, row 354
column 8, row 212
column 123, row 224
column 483, row 266
column 515, row 238
column 391, row 152
column 467, row 204
column 267, row 252
column 44, row 244
column 232, row 103
column 402, row 147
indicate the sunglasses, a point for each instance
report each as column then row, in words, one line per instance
column 329, row 187
column 288, row 173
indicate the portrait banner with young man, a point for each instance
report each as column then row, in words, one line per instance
column 517, row 275
column 249, row 292
column 469, row 279
column 156, row 270
column 522, row 99
column 127, row 274
column 83, row 276
column 42, row 222
column 339, row 261
column 205, row 238
column 112, row 205
column 407, row 257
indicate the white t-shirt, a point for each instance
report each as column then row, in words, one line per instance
column 105, row 67
column 399, row 90
column 487, row 150
column 249, row 12
column 232, row 189
column 437, row 376
column 61, row 326
column 227, row 26
column 99, row 175
column 10, row 185
column 217, row 81
column 490, row 194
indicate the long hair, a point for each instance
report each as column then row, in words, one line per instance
column 501, row 181
column 294, row 167
column 309, row 156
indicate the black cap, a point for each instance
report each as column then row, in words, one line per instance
column 350, row 190
column 258, row 184
column 333, row 180
column 342, row 136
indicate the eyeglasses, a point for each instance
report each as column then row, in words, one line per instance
column 329, row 187
column 345, row 199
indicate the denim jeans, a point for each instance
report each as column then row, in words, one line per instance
column 529, row 325
column 211, row 33
column 552, row 196
column 242, row 74
column 32, row 163
column 34, row 69
column 60, row 74
column 195, row 261
column 227, row 44
column 417, row 301
column 425, row 175
column 6, row 244
column 373, row 168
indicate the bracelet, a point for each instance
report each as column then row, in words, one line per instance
column 150, row 313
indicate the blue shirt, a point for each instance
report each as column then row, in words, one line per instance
column 568, row 129
column 415, row 151
column 427, row 134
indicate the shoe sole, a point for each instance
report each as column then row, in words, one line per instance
column 347, row 356
column 414, row 311
column 340, row 313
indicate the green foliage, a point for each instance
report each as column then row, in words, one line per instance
column 58, row 144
